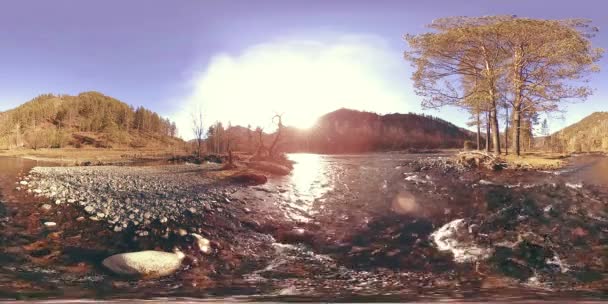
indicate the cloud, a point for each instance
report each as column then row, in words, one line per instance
column 302, row 78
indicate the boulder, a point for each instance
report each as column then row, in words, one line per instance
column 148, row 264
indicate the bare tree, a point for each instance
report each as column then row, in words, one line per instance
column 198, row 130
column 260, row 147
column 277, row 137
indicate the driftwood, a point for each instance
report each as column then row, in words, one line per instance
column 480, row 159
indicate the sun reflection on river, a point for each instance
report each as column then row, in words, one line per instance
column 308, row 182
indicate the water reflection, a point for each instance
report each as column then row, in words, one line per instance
column 307, row 183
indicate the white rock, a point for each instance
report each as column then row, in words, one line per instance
column 149, row 263
column 485, row 182
column 50, row 224
column 204, row 245
column 454, row 236
column 574, row 186
column 23, row 182
column 46, row 207
column 89, row 209
column 58, row 202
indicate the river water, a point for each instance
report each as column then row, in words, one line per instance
column 347, row 212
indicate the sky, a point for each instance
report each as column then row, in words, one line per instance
column 242, row 61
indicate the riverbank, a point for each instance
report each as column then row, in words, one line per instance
column 93, row 156
column 357, row 224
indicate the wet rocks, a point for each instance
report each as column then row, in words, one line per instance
column 249, row 178
column 3, row 210
column 202, row 244
column 148, row 264
column 456, row 237
column 50, row 224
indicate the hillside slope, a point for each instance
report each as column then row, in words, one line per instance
column 350, row 131
column 88, row 119
column 588, row 135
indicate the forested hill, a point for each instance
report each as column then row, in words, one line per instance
column 350, row 131
column 588, row 135
column 88, row 119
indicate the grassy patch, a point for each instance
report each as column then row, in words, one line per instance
column 536, row 160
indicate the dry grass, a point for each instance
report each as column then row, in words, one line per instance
column 536, row 160
column 77, row 156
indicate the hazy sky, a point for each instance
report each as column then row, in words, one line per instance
column 244, row 60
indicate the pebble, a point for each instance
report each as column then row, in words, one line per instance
column 46, row 207
column 89, row 209
column 203, row 244
column 50, row 224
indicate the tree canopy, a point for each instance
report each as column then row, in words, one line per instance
column 484, row 63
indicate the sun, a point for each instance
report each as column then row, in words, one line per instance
column 301, row 79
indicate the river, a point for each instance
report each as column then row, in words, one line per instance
column 355, row 228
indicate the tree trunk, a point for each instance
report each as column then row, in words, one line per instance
column 518, row 86
column 478, row 132
column 488, row 132
column 495, row 131
column 517, row 129
column 507, row 131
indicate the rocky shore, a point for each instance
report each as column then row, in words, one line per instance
column 153, row 208
column 138, row 198
column 538, row 227
column 433, row 223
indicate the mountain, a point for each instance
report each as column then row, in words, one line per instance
column 350, row 131
column 87, row 119
column 588, row 135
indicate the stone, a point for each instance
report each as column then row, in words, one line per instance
column 50, row 224
column 182, row 232
column 147, row 264
column 455, row 237
column 46, row 207
column 89, row 209
column 203, row 244
column 58, row 202
column 23, row 182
